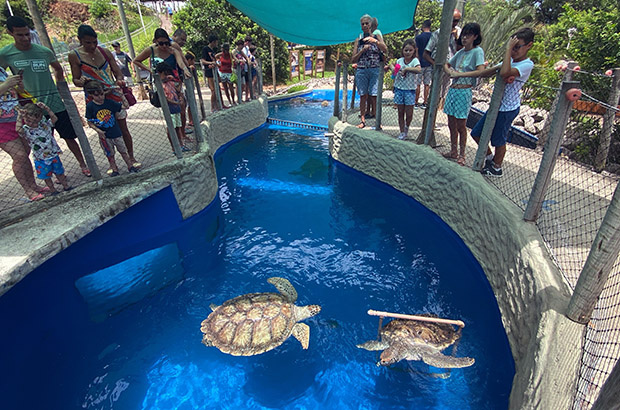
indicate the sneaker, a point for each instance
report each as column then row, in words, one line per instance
column 189, row 130
column 491, row 171
column 423, row 106
column 401, row 136
column 186, row 149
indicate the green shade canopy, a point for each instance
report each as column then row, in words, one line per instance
column 325, row 22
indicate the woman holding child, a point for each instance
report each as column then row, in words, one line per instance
column 11, row 142
column 91, row 62
column 464, row 68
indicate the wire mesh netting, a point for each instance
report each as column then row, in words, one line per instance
column 585, row 176
column 145, row 137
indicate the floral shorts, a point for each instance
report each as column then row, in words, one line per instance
column 45, row 168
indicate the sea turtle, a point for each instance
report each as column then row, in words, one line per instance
column 254, row 323
column 416, row 340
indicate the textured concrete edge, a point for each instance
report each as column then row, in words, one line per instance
column 531, row 293
column 69, row 217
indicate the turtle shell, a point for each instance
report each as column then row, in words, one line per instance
column 250, row 324
column 436, row 335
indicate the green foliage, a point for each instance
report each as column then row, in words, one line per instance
column 201, row 18
column 296, row 88
column 550, row 11
column 100, row 8
column 595, row 45
column 498, row 21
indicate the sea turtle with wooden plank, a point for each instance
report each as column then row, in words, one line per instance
column 403, row 339
column 255, row 323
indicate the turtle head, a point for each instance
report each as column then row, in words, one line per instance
column 304, row 312
column 388, row 357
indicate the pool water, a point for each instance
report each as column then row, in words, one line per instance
column 113, row 322
column 315, row 107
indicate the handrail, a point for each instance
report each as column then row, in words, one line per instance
column 458, row 323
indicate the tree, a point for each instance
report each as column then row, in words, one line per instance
column 201, row 18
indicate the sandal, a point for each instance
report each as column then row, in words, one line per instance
column 86, row 172
column 361, row 124
column 43, row 189
column 37, row 197
column 461, row 160
column 112, row 172
column 450, row 155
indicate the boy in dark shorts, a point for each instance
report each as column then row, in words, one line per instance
column 101, row 116
column 517, row 67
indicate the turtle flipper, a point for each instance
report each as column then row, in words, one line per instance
column 446, row 362
column 284, row 287
column 213, row 306
column 301, row 332
column 373, row 345
column 206, row 341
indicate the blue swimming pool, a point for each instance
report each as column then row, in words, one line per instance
column 314, row 107
column 113, row 322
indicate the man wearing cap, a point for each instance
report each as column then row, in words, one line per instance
column 123, row 61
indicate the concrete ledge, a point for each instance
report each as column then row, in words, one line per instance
column 530, row 291
column 33, row 233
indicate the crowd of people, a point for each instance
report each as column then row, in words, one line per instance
column 220, row 64
column 32, row 111
column 465, row 64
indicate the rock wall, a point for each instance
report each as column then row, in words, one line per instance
column 529, row 289
column 72, row 215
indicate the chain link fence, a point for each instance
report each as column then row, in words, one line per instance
column 151, row 133
column 567, row 191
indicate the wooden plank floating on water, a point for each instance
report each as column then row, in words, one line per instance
column 459, row 323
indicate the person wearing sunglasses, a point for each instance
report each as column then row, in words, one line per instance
column 92, row 62
column 161, row 51
column 515, row 69
column 430, row 51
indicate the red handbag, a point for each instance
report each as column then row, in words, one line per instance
column 131, row 99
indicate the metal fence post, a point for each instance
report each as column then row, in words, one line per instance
column 345, row 91
column 543, row 177
column 199, row 92
column 193, row 108
column 217, row 89
column 542, row 136
column 379, row 104
column 337, row 91
column 259, row 71
column 608, row 395
column 427, row 136
column 74, row 116
column 601, row 259
column 353, row 90
column 176, row 145
column 239, row 85
column 489, row 122
column 608, row 123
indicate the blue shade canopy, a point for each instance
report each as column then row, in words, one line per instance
column 325, row 22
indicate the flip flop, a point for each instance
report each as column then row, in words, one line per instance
column 461, row 160
column 43, row 189
column 37, row 197
column 86, row 172
column 361, row 125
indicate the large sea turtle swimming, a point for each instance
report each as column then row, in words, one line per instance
column 255, row 323
column 416, row 340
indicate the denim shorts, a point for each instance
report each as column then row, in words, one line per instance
column 499, row 135
column 404, row 97
column 366, row 80
column 46, row 168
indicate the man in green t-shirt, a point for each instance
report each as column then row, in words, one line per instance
column 33, row 62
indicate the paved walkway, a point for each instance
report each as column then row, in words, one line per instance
column 575, row 203
column 151, row 146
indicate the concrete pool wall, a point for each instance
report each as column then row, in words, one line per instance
column 530, row 291
column 35, row 232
